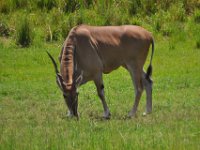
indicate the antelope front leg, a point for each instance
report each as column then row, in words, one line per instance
column 136, row 76
column 100, row 91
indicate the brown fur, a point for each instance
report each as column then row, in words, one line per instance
column 104, row 49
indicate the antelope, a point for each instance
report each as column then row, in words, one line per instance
column 90, row 51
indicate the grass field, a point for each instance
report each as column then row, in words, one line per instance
column 32, row 109
column 33, row 113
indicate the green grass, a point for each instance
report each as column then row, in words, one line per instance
column 33, row 112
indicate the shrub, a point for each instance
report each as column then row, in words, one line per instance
column 7, row 6
column 190, row 5
column 48, row 4
column 4, row 29
column 177, row 12
column 166, row 29
column 70, row 6
column 48, row 34
column 136, row 21
column 197, row 37
column 68, row 24
column 53, row 33
column 4, row 6
column 197, row 16
column 24, row 35
column 87, row 3
column 165, row 4
column 134, row 7
column 198, row 44
column 149, row 7
column 20, row 3
column 159, row 21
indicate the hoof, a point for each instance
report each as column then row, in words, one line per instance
column 131, row 115
column 71, row 115
column 146, row 113
column 107, row 116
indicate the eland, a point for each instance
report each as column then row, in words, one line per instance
column 90, row 51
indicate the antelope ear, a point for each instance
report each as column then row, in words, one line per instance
column 78, row 80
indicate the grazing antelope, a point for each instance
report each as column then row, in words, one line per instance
column 90, row 51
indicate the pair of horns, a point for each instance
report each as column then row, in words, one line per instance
column 54, row 63
column 78, row 77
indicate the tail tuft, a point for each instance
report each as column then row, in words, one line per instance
column 149, row 72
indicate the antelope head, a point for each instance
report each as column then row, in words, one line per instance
column 70, row 94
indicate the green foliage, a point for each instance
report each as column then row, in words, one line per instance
column 4, row 6
column 87, row 3
column 191, row 5
column 7, row 6
column 149, row 7
column 197, row 36
column 52, row 27
column 177, row 12
column 197, row 16
column 46, row 4
column 134, row 7
column 55, row 18
column 4, row 29
column 53, row 34
column 20, row 3
column 198, row 43
column 71, row 6
column 66, row 26
column 24, row 33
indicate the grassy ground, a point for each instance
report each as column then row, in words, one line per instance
column 32, row 110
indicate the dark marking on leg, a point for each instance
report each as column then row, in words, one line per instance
column 102, row 87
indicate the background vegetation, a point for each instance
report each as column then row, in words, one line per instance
column 32, row 110
column 39, row 21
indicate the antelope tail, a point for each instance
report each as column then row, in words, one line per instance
column 150, row 68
